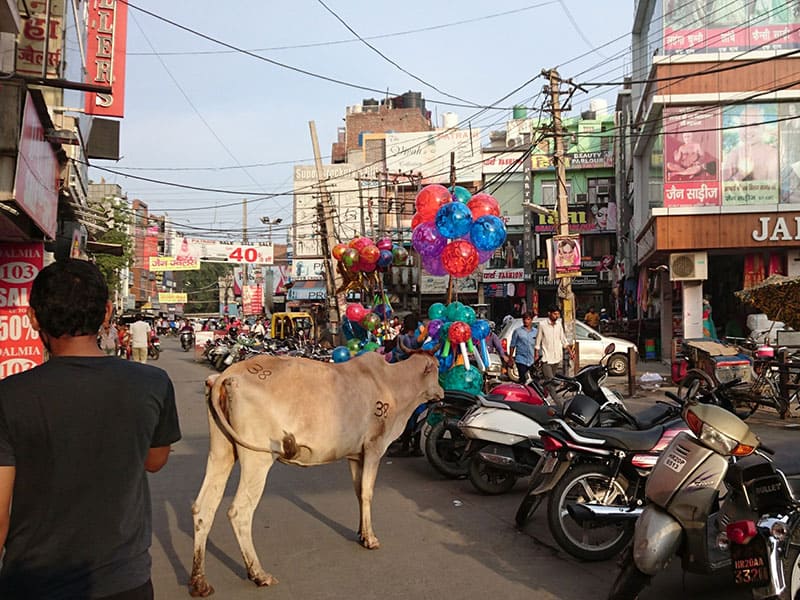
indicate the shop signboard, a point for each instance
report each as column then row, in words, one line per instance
column 431, row 284
column 107, row 22
column 750, row 157
column 20, row 346
column 160, row 264
column 691, row 164
column 224, row 251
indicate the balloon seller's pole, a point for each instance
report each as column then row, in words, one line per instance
column 450, row 287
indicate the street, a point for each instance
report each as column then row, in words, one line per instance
column 439, row 538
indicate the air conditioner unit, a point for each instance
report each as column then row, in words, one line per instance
column 688, row 266
column 603, row 190
column 581, row 198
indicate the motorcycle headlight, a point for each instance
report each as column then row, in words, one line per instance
column 715, row 439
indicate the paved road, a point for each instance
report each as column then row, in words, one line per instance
column 439, row 538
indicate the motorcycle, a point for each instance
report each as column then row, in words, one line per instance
column 444, row 441
column 187, row 340
column 705, row 506
column 594, row 479
column 153, row 347
column 504, row 437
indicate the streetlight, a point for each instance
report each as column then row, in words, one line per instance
column 270, row 223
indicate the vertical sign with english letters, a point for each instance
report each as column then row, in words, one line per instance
column 20, row 346
column 105, row 56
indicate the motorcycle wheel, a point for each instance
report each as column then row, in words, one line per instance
column 487, row 480
column 153, row 353
column 444, row 448
column 630, row 580
column 588, row 483
column 530, row 502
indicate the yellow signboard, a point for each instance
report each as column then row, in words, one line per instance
column 172, row 297
column 159, row 264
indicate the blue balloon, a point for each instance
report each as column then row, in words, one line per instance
column 453, row 220
column 385, row 259
column 384, row 311
column 480, row 329
column 488, row 233
column 340, row 354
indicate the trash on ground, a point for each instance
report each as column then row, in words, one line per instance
column 650, row 381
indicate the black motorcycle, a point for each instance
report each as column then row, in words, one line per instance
column 187, row 340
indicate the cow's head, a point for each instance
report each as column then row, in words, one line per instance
column 431, row 391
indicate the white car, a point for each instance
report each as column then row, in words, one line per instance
column 591, row 345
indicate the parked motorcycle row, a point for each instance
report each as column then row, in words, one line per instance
column 686, row 478
column 222, row 352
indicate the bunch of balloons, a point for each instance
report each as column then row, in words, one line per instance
column 455, row 231
column 362, row 255
column 364, row 328
column 457, row 326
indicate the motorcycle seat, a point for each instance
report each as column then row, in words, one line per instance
column 460, row 398
column 625, row 439
column 652, row 416
column 541, row 413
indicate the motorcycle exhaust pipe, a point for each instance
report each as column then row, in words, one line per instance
column 588, row 513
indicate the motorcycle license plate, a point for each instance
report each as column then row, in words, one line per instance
column 750, row 563
column 549, row 464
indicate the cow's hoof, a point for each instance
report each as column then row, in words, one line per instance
column 262, row 579
column 371, row 542
column 199, row 587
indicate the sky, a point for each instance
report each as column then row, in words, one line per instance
column 201, row 114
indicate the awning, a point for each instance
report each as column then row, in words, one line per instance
column 306, row 290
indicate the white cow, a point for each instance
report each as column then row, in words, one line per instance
column 301, row 412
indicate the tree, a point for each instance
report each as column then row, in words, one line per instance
column 112, row 266
column 202, row 287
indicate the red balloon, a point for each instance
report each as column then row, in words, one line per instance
column 370, row 253
column 483, row 204
column 459, row 332
column 359, row 243
column 430, row 199
column 460, row 258
column 417, row 220
column 338, row 250
column 356, row 312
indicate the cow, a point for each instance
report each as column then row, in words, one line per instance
column 301, row 412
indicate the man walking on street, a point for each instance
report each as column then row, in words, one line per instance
column 109, row 338
column 140, row 338
column 521, row 347
column 77, row 436
column 551, row 343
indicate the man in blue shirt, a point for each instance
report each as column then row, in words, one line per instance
column 522, row 342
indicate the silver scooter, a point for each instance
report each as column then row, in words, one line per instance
column 704, row 499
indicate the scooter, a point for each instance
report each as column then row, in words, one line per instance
column 701, row 498
column 504, row 438
column 153, row 347
column 187, row 339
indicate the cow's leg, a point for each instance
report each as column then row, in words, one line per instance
column 369, row 472
column 356, row 471
column 218, row 468
column 255, row 467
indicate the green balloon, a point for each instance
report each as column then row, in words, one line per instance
column 436, row 311
column 399, row 256
column 371, row 322
column 371, row 346
column 354, row 344
column 459, row 378
column 454, row 310
column 468, row 315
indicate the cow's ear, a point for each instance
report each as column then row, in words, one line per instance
column 430, row 367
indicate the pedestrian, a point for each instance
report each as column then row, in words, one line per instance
column 494, row 344
column 140, row 338
column 551, row 341
column 591, row 318
column 77, row 436
column 108, row 338
column 521, row 347
column 409, row 341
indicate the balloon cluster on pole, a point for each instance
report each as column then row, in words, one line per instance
column 454, row 231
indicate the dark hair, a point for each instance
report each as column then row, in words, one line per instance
column 527, row 315
column 69, row 298
column 410, row 323
column 553, row 308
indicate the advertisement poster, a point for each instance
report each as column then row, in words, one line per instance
column 565, row 255
column 20, row 347
column 789, row 115
column 691, row 157
column 730, row 25
column 252, row 300
column 750, row 158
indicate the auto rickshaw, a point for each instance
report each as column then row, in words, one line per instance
column 290, row 324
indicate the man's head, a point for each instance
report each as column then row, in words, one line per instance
column 69, row 298
column 553, row 313
column 527, row 319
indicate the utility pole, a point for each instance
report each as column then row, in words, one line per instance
column 564, row 284
column 335, row 303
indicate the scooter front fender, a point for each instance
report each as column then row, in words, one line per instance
column 656, row 540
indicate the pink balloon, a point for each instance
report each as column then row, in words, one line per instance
column 384, row 243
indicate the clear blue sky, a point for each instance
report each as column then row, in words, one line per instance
column 199, row 114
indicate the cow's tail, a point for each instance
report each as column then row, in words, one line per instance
column 220, row 398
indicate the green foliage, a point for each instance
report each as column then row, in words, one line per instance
column 202, row 288
column 112, row 266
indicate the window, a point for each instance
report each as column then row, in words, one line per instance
column 600, row 191
column 549, row 193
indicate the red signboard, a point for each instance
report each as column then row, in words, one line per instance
column 105, row 60
column 252, row 300
column 20, row 347
column 35, row 183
